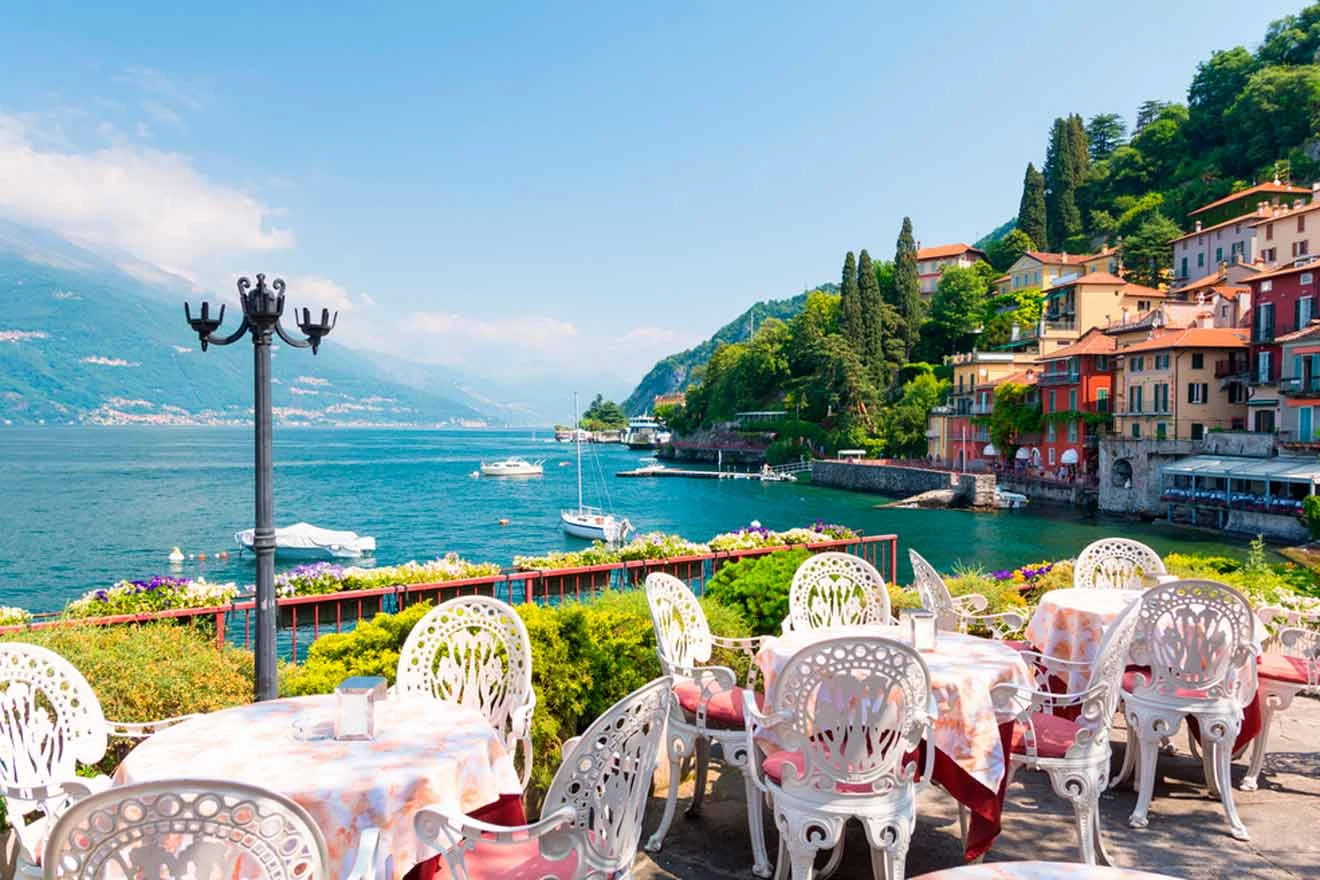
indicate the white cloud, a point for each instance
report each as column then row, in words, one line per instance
column 533, row 331
column 100, row 361
column 316, row 293
column 153, row 205
column 313, row 380
column 162, row 114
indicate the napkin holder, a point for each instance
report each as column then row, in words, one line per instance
column 923, row 629
column 355, row 707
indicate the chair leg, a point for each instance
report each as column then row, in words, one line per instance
column 836, row 859
column 1149, row 728
column 703, row 768
column 1193, row 745
column 1221, row 746
column 756, row 825
column 680, row 749
column 1102, row 854
column 1273, row 699
column 889, row 840
column 1130, row 750
column 1211, row 772
column 1081, row 788
column 802, row 835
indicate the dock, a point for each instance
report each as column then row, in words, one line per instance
column 772, row 477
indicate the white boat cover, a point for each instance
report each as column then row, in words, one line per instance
column 307, row 537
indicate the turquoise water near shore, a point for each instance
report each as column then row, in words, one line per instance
column 81, row 507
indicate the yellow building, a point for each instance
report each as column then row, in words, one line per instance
column 1170, row 385
column 951, row 435
column 1042, row 269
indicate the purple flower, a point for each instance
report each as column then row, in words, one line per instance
column 1002, row 575
column 100, row 594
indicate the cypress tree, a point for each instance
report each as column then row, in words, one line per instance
column 852, row 319
column 1062, row 218
column 1031, row 210
column 873, row 339
column 907, row 287
column 1080, row 154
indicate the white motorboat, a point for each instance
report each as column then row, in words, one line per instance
column 591, row 523
column 306, row 539
column 1006, row 500
column 513, row 467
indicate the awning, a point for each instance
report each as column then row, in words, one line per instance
column 1023, row 453
column 1035, row 454
column 990, row 450
column 1069, row 456
column 1281, row 469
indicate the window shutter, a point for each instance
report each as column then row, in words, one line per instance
column 1191, row 392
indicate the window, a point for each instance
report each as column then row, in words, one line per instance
column 1306, row 278
column 1102, row 363
column 1269, row 255
column 1303, row 311
column 1198, row 430
column 1161, row 361
column 1263, row 371
column 1162, row 397
column 1161, row 431
column 1183, row 273
column 1137, row 363
column 1072, row 400
column 1136, row 399
column 1053, row 408
column 1198, row 392
column 1143, row 305
column 1198, row 360
column 1269, row 232
column 1102, row 400
column 1051, row 455
column 1136, row 431
column 1301, row 222
column 1299, row 248
column 1072, row 432
column 1265, row 322
column 1237, row 228
column 1051, row 434
column 1200, row 259
column 1237, row 393
column 1265, row 421
column 1219, row 255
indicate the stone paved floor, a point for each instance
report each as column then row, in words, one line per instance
column 1187, row 837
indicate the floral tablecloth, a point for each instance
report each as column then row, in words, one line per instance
column 1040, row 871
column 425, row 752
column 1069, row 624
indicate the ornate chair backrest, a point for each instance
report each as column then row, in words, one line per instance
column 1106, row 683
column 836, row 589
column 473, row 651
column 1193, row 634
column 1116, row 564
column 935, row 595
column 186, row 828
column 606, row 780
column 682, row 636
column 50, row 721
column 1295, row 633
column 854, row 706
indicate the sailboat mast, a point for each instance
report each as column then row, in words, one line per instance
column 578, row 438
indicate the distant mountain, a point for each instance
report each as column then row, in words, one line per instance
column 84, row 339
column 997, row 233
column 674, row 372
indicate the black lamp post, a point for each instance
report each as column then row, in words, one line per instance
column 262, row 308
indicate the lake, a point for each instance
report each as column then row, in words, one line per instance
column 86, row 506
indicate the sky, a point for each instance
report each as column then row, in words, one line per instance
column 556, row 194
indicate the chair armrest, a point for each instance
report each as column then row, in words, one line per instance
column 520, row 731
column 1000, row 623
column 932, row 713
column 749, row 647
column 969, row 603
column 1020, row 702
column 452, row 833
column 712, row 680
column 371, row 856
column 143, row 729
column 758, row 722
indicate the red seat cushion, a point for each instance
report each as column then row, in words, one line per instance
column 1018, row 645
column 1054, row 735
column 775, row 763
column 1130, row 682
column 724, row 710
column 1281, row 667
column 515, row 861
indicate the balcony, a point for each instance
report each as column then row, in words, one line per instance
column 1064, row 378
column 1227, row 368
column 982, row 409
column 1307, row 386
column 1060, row 323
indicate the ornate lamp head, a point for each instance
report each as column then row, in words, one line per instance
column 316, row 330
column 204, row 324
column 262, row 304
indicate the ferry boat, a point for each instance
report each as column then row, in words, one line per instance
column 643, row 432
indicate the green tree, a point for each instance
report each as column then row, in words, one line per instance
column 1147, row 252
column 1005, row 251
column 1021, row 308
column 1147, row 113
column 852, row 319
column 1031, row 209
column 1293, row 39
column 905, row 422
column 1214, row 88
column 1016, row 413
column 958, row 308
column 907, row 287
column 603, row 415
column 1277, row 110
column 1163, row 143
column 1063, row 219
column 1104, row 134
column 873, row 340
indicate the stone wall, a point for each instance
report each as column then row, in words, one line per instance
column 1246, row 443
column 1271, row 525
column 1135, row 488
column 900, row 481
column 1045, row 490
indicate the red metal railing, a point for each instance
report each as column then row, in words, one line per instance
column 303, row 619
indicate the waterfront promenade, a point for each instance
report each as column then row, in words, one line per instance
column 1187, row 836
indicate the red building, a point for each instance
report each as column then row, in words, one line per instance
column 1076, row 379
column 1282, row 301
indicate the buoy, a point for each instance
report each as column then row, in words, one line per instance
column 191, row 556
column 504, row 522
column 176, row 556
column 224, row 554
column 756, row 523
column 201, row 557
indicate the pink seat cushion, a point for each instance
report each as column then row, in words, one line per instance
column 775, row 763
column 515, row 861
column 1018, row 645
column 1281, row 667
column 1054, row 735
column 724, row 710
column 1130, row 682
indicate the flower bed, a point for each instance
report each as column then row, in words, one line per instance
column 320, row 578
column 161, row 593
column 10, row 616
column 756, row 536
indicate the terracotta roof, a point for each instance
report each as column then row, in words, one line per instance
column 1205, row 281
column 1003, row 277
column 1098, row 278
column 1093, row 341
column 1230, row 291
column 1310, row 330
column 1280, row 188
column 1127, row 288
column 947, row 250
column 1284, row 213
column 1062, row 259
column 1026, row 377
column 1191, row 337
column 1286, row 270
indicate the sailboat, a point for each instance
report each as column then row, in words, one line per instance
column 591, row 523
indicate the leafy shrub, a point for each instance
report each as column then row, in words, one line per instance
column 1311, row 515
column 1001, row 594
column 319, row 578
column 10, row 616
column 1263, row 582
column 597, row 554
column 758, row 588
column 657, row 545
column 161, row 593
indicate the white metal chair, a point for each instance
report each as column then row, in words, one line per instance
column 1116, row 564
column 50, row 722
column 591, row 819
column 474, row 651
column 836, row 589
column 1196, row 637
column 1289, row 666
column 708, row 704
column 955, row 614
column 1075, row 754
column 194, row 828
column 845, row 713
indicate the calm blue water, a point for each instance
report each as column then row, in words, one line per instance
column 81, row 507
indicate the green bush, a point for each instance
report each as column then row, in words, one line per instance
column 1262, row 581
column 757, row 587
column 1311, row 515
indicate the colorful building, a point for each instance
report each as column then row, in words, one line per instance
column 1167, row 387
column 1042, row 269
column 932, row 261
column 1073, row 381
column 1209, row 249
column 1078, row 303
column 1299, row 388
column 954, row 435
column 1245, row 201
column 1289, row 233
column 1282, row 301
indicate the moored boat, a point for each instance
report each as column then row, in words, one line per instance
column 513, row 467
column 591, row 523
column 306, row 539
column 643, row 432
column 1006, row 500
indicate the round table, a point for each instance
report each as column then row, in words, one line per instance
column 1040, row 871
column 969, row 736
column 1068, row 624
column 425, row 752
